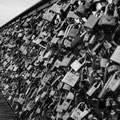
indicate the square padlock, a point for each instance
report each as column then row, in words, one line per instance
column 70, row 79
column 76, row 65
column 91, row 22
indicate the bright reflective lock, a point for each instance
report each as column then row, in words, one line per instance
column 70, row 79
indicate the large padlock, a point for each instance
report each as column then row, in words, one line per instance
column 70, row 79
column 109, row 20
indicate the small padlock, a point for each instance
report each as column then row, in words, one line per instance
column 80, row 111
column 76, row 65
column 92, row 90
column 68, row 101
column 115, row 82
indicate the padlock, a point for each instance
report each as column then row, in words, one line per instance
column 81, row 10
column 103, row 62
column 30, row 105
column 104, row 90
column 112, row 68
column 66, row 60
column 61, row 33
column 107, row 45
column 76, row 65
column 78, row 39
column 108, row 86
column 59, row 105
column 56, row 8
column 71, row 14
column 37, row 40
column 21, row 100
column 73, row 32
column 67, row 43
column 54, row 40
column 115, row 82
column 86, row 37
column 79, row 114
column 49, row 16
column 66, row 116
column 66, row 87
column 66, row 104
column 93, row 89
column 70, row 79
column 115, row 56
column 91, row 22
column 57, row 64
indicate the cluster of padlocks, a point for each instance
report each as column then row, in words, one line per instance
column 64, row 63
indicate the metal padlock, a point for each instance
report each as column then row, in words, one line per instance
column 79, row 114
column 59, row 106
column 52, row 92
column 66, row 60
column 70, row 79
column 112, row 68
column 61, row 33
column 116, row 55
column 49, row 16
column 93, row 89
column 76, row 65
column 66, row 87
column 54, row 40
column 67, row 43
column 56, row 8
column 91, row 22
column 115, row 82
column 103, row 62
column 86, row 37
column 109, row 85
column 71, row 14
column 68, row 101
